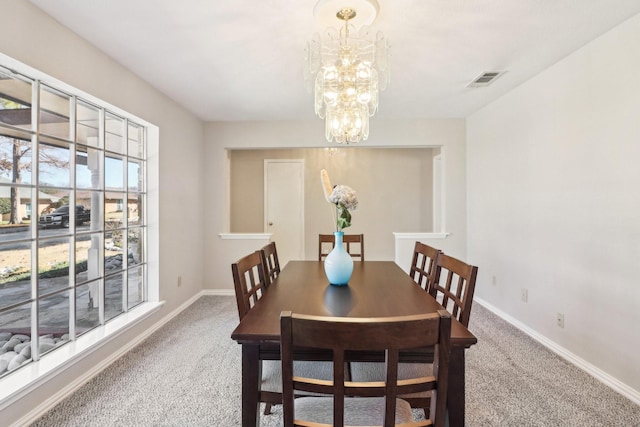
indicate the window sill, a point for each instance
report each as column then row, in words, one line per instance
column 26, row 379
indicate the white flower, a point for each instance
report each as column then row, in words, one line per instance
column 345, row 196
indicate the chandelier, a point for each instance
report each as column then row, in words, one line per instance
column 345, row 68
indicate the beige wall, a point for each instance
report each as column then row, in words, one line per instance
column 374, row 173
column 553, row 205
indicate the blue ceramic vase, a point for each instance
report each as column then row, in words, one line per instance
column 338, row 265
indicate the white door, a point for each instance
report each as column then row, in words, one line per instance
column 284, row 207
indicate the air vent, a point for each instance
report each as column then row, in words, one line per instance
column 486, row 78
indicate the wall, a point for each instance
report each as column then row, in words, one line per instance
column 448, row 133
column 371, row 172
column 175, row 165
column 553, row 204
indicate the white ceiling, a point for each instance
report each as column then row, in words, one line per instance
column 235, row 60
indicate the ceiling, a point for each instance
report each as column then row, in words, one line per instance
column 243, row 59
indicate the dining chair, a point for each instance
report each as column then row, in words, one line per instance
column 453, row 286
column 270, row 262
column 363, row 403
column 423, row 264
column 251, row 283
column 455, row 294
column 354, row 244
column 422, row 271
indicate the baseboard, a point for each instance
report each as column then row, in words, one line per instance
column 594, row 371
column 53, row 400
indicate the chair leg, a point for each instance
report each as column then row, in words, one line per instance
column 267, row 409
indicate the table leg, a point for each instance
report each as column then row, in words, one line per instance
column 455, row 396
column 250, row 385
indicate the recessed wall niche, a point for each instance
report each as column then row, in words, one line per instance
column 395, row 188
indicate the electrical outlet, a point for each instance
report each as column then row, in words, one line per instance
column 493, row 280
column 560, row 320
column 524, row 295
column 179, row 281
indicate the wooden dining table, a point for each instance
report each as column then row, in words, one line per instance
column 376, row 289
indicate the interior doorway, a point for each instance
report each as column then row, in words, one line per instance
column 284, row 206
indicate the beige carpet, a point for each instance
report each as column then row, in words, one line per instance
column 188, row 374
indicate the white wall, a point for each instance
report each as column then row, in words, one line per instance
column 38, row 41
column 449, row 133
column 554, row 203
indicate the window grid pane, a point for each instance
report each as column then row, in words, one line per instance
column 54, row 321
column 113, row 288
column 53, row 265
column 54, row 113
column 88, row 171
column 15, row 100
column 87, row 313
column 16, row 150
column 53, row 162
column 135, row 285
column 136, row 141
column 15, row 272
column 15, row 329
column 114, row 133
column 88, row 124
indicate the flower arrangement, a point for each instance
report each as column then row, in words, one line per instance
column 343, row 197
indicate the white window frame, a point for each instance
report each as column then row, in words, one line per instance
column 26, row 379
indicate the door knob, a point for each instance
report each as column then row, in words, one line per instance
column 270, row 224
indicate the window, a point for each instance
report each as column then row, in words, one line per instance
column 73, row 227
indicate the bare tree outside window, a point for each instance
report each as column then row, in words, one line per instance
column 10, row 161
